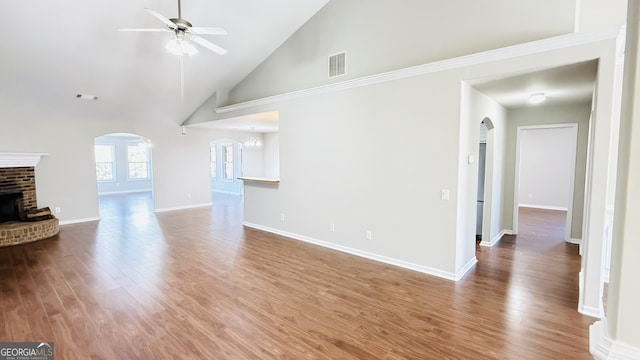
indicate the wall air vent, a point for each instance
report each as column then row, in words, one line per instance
column 337, row 64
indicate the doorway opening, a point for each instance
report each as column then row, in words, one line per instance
column 124, row 175
column 226, row 157
column 545, row 173
column 482, row 156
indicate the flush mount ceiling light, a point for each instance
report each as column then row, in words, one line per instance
column 537, row 98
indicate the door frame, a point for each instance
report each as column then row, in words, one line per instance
column 572, row 174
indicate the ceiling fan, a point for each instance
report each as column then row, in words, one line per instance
column 184, row 33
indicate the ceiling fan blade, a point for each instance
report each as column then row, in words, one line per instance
column 144, row 30
column 207, row 30
column 204, row 43
column 162, row 18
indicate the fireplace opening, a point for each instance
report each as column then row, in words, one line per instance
column 10, row 207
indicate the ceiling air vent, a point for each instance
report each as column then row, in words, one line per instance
column 337, row 64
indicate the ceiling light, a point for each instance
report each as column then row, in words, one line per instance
column 537, row 98
column 180, row 46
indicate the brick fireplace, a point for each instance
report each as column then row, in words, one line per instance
column 20, row 180
column 17, row 195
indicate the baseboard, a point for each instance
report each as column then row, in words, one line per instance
column 123, row 192
column 186, row 207
column 604, row 348
column 460, row 274
column 383, row 259
column 590, row 311
column 544, row 207
column 78, row 221
column 575, row 241
column 495, row 239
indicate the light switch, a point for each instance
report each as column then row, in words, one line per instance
column 471, row 159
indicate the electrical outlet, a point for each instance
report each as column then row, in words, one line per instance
column 445, row 194
column 368, row 234
column 189, row 195
column 281, row 217
column 332, row 227
column 57, row 210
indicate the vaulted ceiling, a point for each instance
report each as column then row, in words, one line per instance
column 52, row 50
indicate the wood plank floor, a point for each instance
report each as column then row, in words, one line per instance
column 196, row 284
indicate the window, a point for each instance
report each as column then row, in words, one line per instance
column 138, row 159
column 228, row 161
column 104, row 162
column 214, row 163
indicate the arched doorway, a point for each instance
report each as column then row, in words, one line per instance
column 124, row 175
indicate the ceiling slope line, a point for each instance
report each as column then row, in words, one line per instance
column 505, row 53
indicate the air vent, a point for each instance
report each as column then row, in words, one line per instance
column 337, row 64
column 86, row 97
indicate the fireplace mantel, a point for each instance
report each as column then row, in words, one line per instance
column 9, row 160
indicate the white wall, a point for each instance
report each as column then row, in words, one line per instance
column 598, row 15
column 544, row 115
column 382, row 36
column 271, row 155
column 337, row 151
column 253, row 160
column 547, row 158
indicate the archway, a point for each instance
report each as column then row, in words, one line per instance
column 124, row 174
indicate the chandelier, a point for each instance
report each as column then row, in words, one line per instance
column 253, row 141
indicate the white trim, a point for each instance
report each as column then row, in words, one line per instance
column 576, row 16
column 460, row 274
column 185, row 207
column 124, row 192
column 226, row 192
column 495, row 240
column 78, row 221
column 544, row 207
column 575, row 241
column 11, row 160
column 530, row 48
column 602, row 347
column 383, row 259
column 590, row 311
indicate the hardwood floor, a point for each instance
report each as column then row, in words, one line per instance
column 196, row 284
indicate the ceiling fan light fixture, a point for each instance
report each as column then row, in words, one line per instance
column 180, row 46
